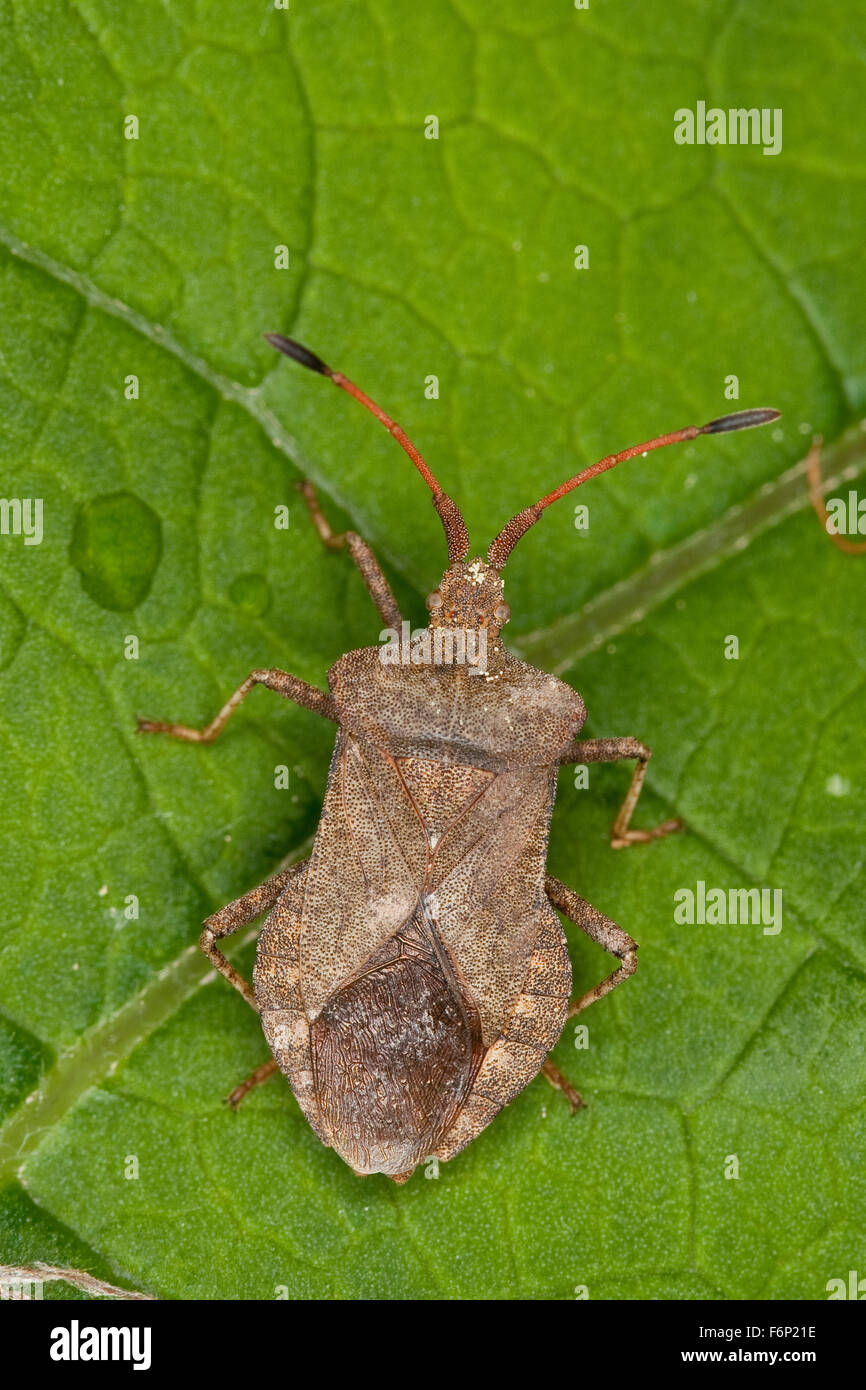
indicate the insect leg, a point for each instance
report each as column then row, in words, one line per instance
column 361, row 553
column 599, row 929
column 813, row 473
column 255, row 1078
column 292, row 687
column 614, row 750
column 238, row 914
column 562, row 1083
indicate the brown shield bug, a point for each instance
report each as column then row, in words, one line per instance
column 412, row 975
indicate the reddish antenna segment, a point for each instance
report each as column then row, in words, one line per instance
column 510, row 534
column 455, row 527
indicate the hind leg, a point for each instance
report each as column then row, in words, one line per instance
column 562, row 1083
column 238, row 914
column 255, row 1078
column 229, row 918
column 605, row 933
column 599, row 929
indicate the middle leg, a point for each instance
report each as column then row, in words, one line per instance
column 283, row 682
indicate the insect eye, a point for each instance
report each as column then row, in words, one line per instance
column 434, row 601
column 501, row 614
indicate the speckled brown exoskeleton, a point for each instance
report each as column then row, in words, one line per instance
column 412, row 975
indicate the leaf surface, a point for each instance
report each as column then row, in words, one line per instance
column 411, row 258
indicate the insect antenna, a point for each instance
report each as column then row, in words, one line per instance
column 508, row 537
column 452, row 521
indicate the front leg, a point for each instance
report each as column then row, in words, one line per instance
column 614, row 750
column 362, row 553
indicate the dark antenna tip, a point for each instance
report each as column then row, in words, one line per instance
column 298, row 353
column 740, row 420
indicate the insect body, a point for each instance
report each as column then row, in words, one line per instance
column 412, row 974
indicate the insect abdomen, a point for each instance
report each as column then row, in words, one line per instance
column 395, row 1051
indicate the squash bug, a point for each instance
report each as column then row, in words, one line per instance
column 412, row 974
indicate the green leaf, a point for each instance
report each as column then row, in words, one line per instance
column 156, row 259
